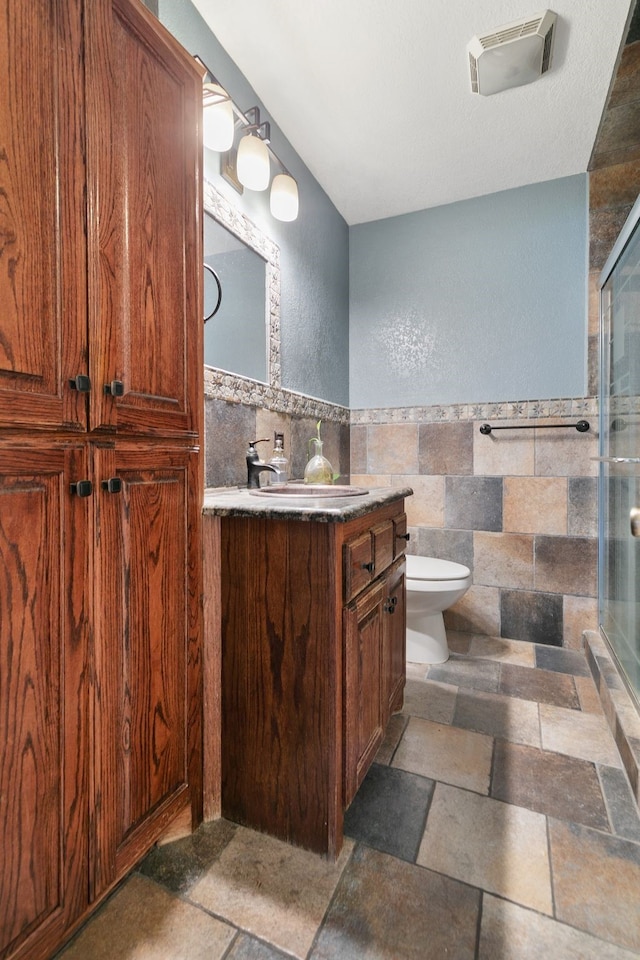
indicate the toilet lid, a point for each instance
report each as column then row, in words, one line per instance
column 431, row 568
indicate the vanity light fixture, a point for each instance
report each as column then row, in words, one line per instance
column 250, row 164
column 218, row 124
column 283, row 200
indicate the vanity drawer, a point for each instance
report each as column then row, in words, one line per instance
column 358, row 564
column 382, row 536
column 366, row 557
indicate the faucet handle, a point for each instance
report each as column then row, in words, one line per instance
column 252, row 453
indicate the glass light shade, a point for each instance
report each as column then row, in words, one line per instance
column 217, row 120
column 252, row 163
column 284, row 197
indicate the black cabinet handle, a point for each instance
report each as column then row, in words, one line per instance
column 112, row 485
column 81, row 383
column 115, row 388
column 369, row 566
column 83, row 488
column 390, row 605
column 403, row 536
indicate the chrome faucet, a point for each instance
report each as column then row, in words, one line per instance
column 255, row 465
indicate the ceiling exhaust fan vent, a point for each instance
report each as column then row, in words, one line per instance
column 510, row 32
column 512, row 55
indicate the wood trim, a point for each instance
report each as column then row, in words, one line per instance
column 211, row 662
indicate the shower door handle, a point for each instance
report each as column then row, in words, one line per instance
column 634, row 518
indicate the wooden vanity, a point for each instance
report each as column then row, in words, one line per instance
column 312, row 618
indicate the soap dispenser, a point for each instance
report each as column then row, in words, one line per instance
column 279, row 461
column 318, row 469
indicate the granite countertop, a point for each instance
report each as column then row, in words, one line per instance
column 240, row 502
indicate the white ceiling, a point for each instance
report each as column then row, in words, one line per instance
column 374, row 95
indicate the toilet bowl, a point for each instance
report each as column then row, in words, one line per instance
column 432, row 586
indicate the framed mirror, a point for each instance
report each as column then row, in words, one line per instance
column 243, row 337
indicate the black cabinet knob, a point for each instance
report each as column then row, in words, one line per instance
column 82, row 488
column 112, row 485
column 369, row 566
column 81, row 383
column 403, row 536
column 115, row 388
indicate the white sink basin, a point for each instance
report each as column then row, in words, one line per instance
column 310, row 490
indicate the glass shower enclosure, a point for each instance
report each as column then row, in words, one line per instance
column 619, row 488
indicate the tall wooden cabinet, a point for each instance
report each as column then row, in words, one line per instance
column 100, row 434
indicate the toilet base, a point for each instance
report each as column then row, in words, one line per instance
column 429, row 643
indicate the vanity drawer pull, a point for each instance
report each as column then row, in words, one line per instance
column 369, row 566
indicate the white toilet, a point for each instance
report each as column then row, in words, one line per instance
column 432, row 587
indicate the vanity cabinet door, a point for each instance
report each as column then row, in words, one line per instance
column 395, row 626
column 400, row 535
column 147, row 671
column 43, row 322
column 145, row 302
column 44, row 630
column 364, row 687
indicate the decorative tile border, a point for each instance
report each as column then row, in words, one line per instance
column 511, row 410
column 232, row 388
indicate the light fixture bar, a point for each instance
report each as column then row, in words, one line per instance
column 250, row 123
column 210, row 78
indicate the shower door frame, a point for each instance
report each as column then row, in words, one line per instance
column 628, row 466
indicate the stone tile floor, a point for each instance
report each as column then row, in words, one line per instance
column 497, row 823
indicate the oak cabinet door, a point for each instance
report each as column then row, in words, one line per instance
column 395, row 626
column 145, row 312
column 364, row 686
column 43, row 322
column 44, row 618
column 146, row 713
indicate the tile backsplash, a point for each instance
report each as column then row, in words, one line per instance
column 519, row 507
column 238, row 410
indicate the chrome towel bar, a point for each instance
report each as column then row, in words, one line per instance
column 581, row 426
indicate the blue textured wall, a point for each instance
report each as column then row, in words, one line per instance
column 314, row 250
column 478, row 301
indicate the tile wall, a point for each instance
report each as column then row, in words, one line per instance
column 519, row 507
column 238, row 410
